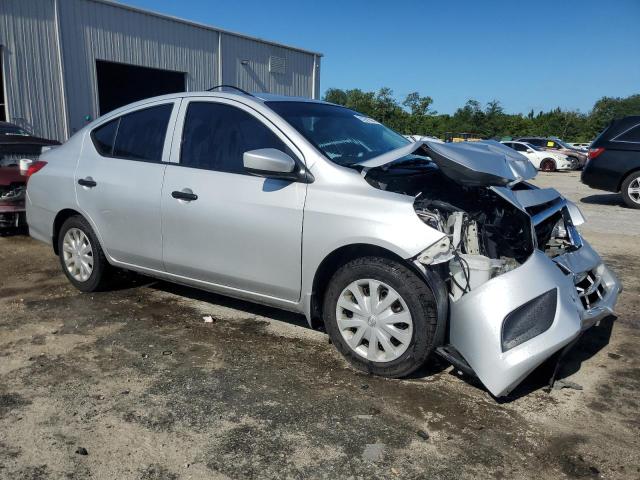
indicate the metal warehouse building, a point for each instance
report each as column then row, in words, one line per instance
column 65, row 62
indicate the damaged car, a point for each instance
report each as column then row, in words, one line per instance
column 16, row 146
column 401, row 250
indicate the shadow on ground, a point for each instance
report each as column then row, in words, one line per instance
column 604, row 199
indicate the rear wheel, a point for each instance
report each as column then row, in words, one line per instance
column 81, row 257
column 381, row 316
column 548, row 165
column 631, row 190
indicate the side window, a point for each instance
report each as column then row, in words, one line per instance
column 104, row 136
column 215, row 137
column 520, row 147
column 141, row 134
column 508, row 144
column 632, row 135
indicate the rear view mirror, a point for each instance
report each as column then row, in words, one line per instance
column 271, row 163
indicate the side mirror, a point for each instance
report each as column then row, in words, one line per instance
column 270, row 163
column 529, row 150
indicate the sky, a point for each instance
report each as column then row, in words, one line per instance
column 528, row 55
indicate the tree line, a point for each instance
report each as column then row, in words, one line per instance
column 414, row 116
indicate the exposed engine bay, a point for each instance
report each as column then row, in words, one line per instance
column 541, row 283
column 488, row 235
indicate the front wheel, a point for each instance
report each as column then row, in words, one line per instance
column 81, row 257
column 381, row 316
column 548, row 165
column 631, row 190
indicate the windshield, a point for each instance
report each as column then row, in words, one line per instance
column 342, row 135
column 10, row 129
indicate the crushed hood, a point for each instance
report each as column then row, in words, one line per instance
column 486, row 163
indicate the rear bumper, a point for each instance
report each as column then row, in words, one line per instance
column 476, row 319
column 595, row 176
column 12, row 215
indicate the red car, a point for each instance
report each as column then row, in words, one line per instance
column 16, row 144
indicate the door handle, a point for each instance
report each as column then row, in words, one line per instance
column 189, row 197
column 87, row 182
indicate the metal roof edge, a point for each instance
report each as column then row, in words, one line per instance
column 204, row 26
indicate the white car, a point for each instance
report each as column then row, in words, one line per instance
column 543, row 159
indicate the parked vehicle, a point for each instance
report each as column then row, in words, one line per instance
column 614, row 160
column 16, row 144
column 582, row 146
column 543, row 159
column 556, row 145
column 397, row 248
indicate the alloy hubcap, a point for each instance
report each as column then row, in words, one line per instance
column 77, row 254
column 374, row 320
column 634, row 190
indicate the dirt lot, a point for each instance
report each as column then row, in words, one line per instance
column 137, row 379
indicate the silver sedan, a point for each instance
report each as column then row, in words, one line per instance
column 398, row 249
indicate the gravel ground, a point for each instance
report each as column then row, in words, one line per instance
column 133, row 384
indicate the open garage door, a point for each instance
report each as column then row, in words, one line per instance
column 120, row 84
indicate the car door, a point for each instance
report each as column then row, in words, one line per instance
column 119, row 181
column 238, row 231
column 531, row 154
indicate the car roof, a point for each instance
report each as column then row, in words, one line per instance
column 246, row 96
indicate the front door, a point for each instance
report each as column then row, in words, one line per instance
column 119, row 181
column 227, row 227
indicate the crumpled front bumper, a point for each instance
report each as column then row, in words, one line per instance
column 587, row 291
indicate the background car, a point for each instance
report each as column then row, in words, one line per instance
column 544, row 160
column 614, row 160
column 556, row 145
column 16, row 144
column 582, row 146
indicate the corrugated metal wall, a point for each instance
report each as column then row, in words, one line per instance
column 93, row 31
column 246, row 65
column 31, row 66
column 54, row 100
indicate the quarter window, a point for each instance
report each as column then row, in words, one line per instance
column 138, row 135
column 216, row 135
column 104, row 137
column 632, row 135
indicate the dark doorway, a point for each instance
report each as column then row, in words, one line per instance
column 120, row 84
column 3, row 107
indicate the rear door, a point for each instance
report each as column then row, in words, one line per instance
column 242, row 232
column 119, row 181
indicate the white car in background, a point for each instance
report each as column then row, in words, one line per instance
column 543, row 159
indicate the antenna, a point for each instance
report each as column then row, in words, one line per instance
column 230, row 86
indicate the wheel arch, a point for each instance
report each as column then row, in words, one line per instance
column 58, row 221
column 624, row 176
column 338, row 257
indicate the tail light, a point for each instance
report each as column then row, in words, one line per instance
column 35, row 167
column 595, row 152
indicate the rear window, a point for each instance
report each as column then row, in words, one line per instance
column 631, row 135
column 136, row 136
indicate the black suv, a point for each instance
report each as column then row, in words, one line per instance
column 614, row 160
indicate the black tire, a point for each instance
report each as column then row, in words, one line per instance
column 416, row 294
column 548, row 165
column 624, row 190
column 101, row 273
